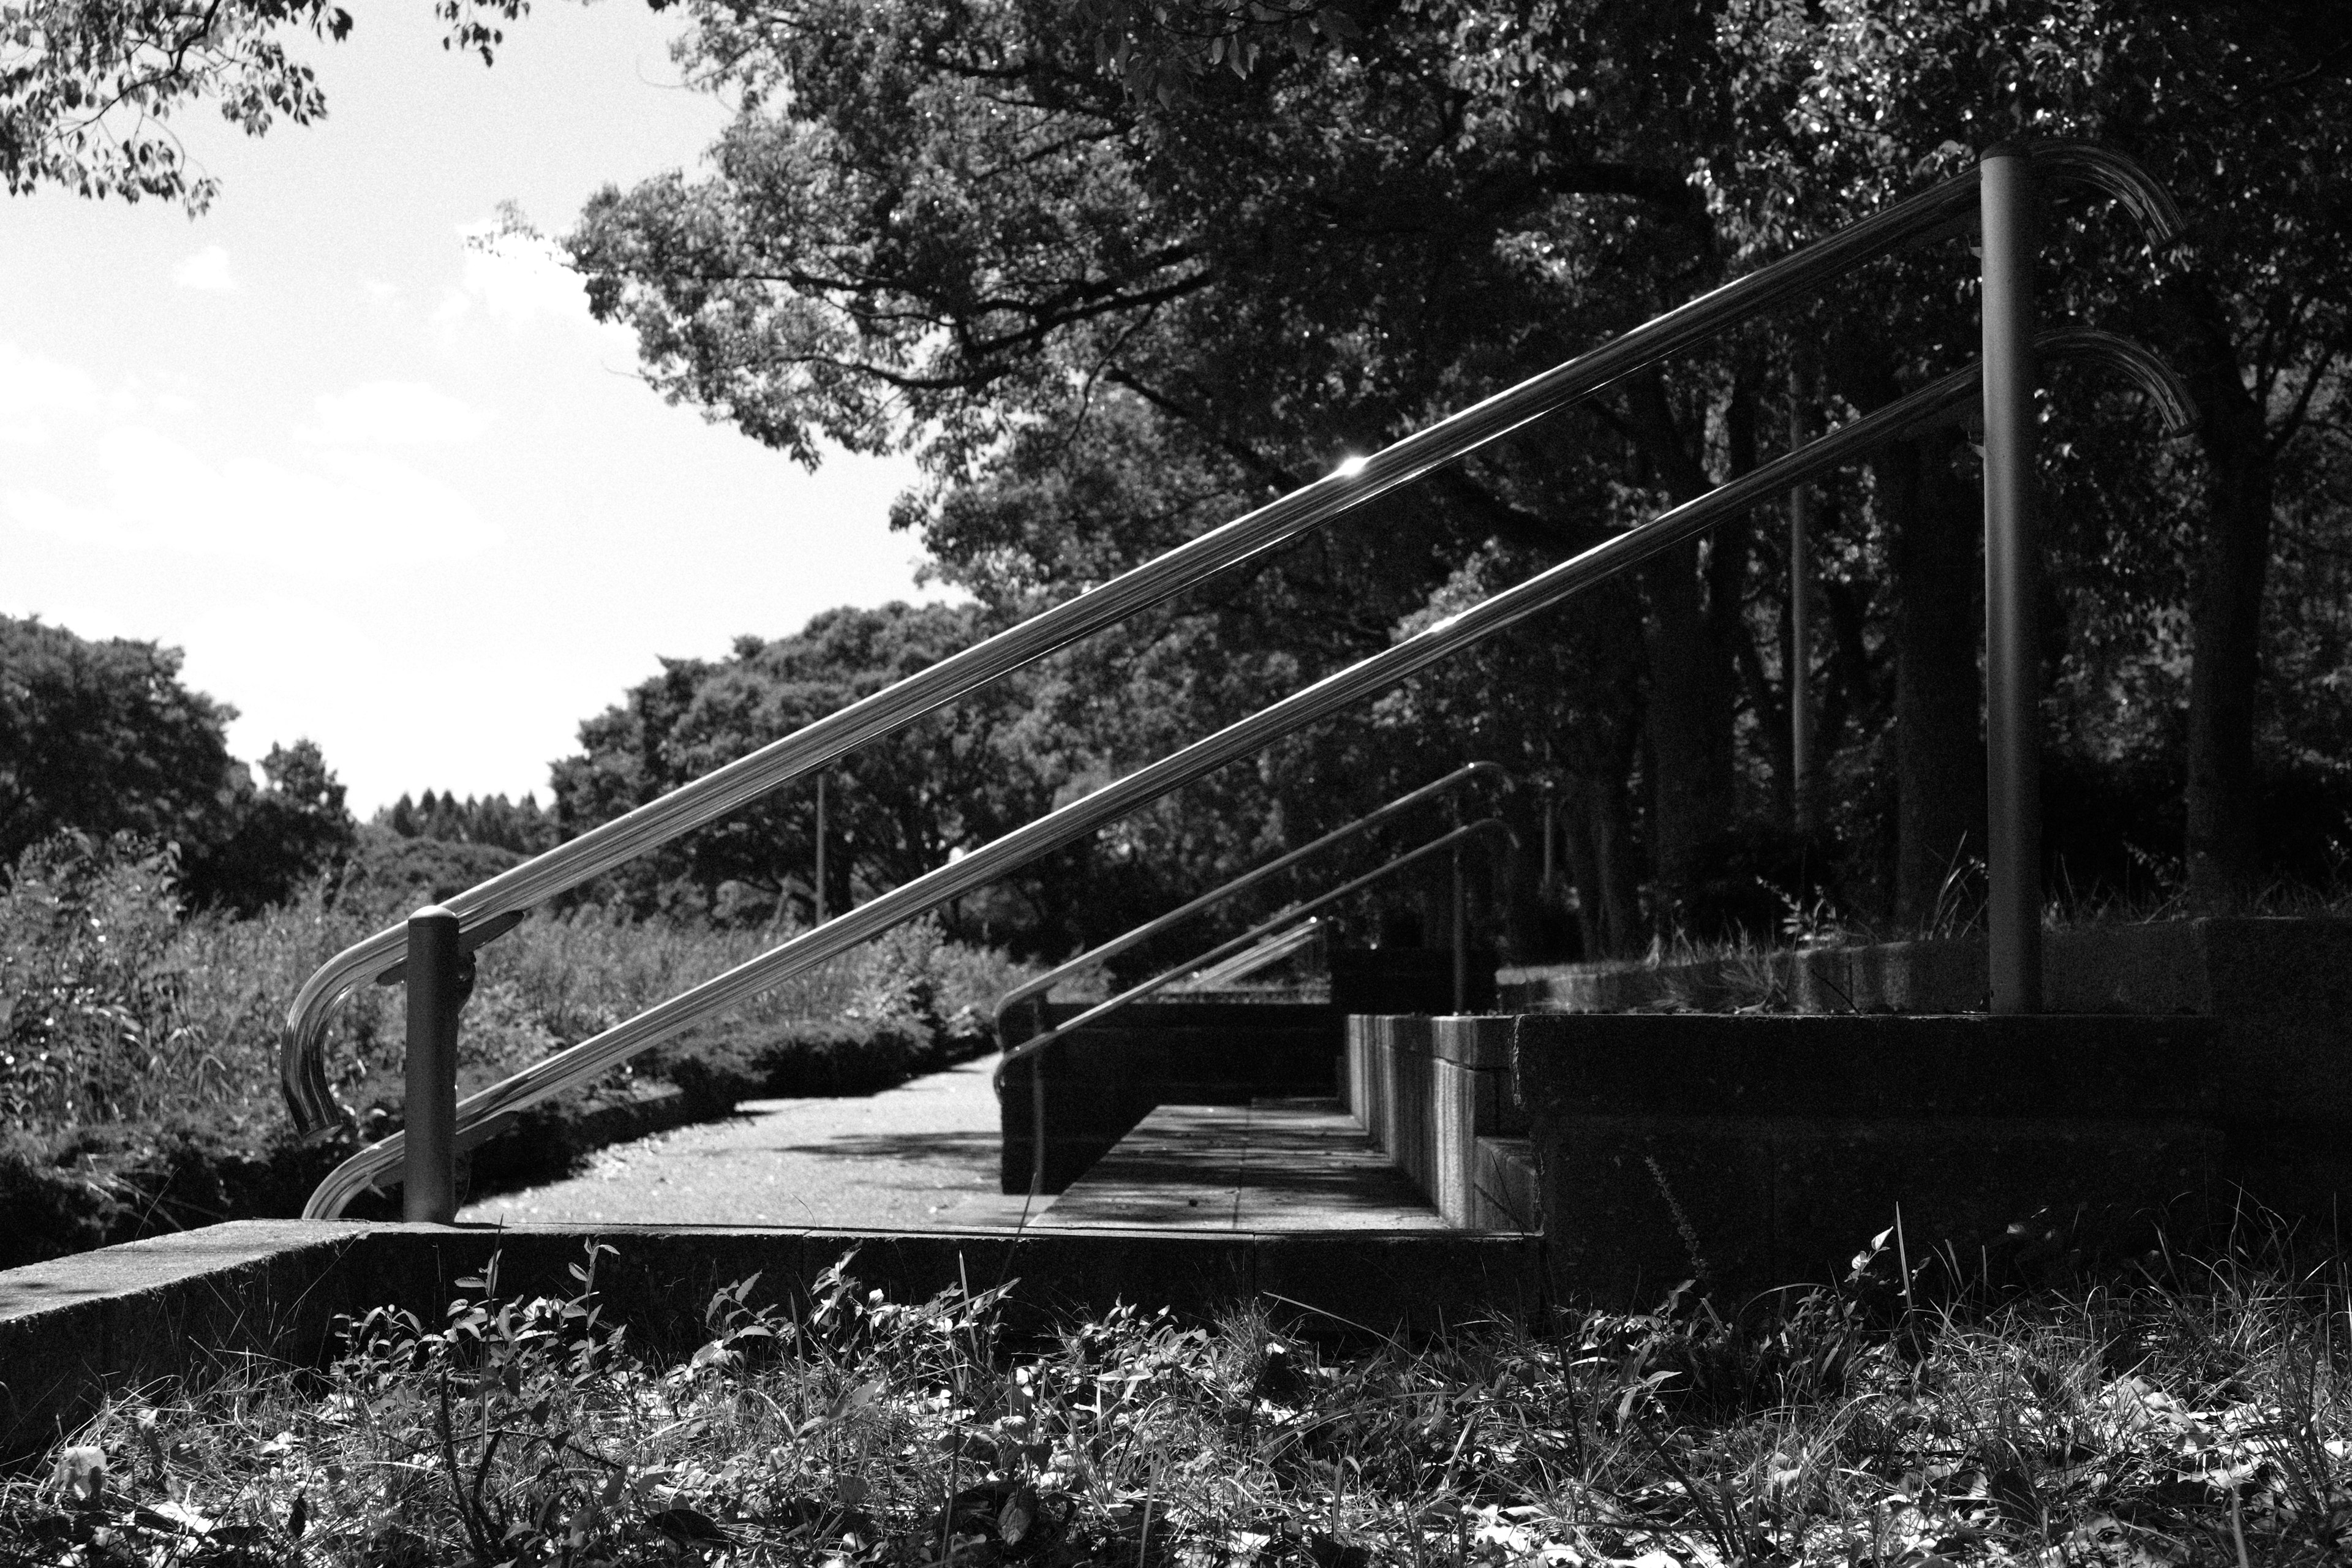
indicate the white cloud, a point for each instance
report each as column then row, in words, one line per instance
column 396, row 413
column 352, row 511
column 33, row 388
column 208, row 269
column 514, row 278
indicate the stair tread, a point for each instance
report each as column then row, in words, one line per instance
column 1272, row 1166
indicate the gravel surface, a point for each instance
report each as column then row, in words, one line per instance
column 922, row 1156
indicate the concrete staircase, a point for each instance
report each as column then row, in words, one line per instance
column 2206, row 1075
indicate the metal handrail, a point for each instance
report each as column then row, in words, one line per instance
column 1947, row 209
column 1134, row 993
column 1165, row 977
column 1038, row 985
column 1242, row 965
column 488, row 1112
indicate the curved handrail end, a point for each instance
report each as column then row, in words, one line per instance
column 2111, row 173
column 2158, row 381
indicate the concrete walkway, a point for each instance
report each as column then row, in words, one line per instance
column 922, row 1156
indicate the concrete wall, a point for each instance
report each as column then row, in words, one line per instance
column 1758, row 1152
column 2279, row 990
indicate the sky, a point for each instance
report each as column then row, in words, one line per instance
column 385, row 490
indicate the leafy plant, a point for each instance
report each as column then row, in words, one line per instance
column 2184, row 1412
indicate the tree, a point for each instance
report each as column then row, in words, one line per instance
column 954, row 229
column 520, row 826
column 1556, row 702
column 1107, row 319
column 88, row 87
column 2246, row 114
column 895, row 809
column 292, row 831
column 101, row 738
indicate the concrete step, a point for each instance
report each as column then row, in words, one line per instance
column 1273, row 1165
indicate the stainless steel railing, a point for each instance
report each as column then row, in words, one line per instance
column 496, row 904
column 1165, row 977
column 488, row 1112
column 1037, row 985
column 1288, row 917
column 1268, row 952
column 492, row 906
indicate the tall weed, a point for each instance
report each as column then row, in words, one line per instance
column 2197, row 1419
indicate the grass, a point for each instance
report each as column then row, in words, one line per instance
column 139, row 1041
column 116, row 1006
column 2188, row 1416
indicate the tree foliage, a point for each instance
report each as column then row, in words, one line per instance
column 895, row 809
column 518, row 825
column 101, row 739
column 1108, row 317
column 88, row 87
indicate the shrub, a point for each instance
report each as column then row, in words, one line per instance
column 2190, row 1414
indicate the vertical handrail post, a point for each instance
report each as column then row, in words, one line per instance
column 2012, row 587
column 1550, row 872
column 429, row 1189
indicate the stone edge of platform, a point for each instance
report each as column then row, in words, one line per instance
column 77, row 1331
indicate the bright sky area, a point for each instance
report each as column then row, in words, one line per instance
column 385, row 490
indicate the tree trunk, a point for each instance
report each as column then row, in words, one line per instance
column 1599, row 839
column 1689, row 706
column 1938, row 692
column 2225, row 605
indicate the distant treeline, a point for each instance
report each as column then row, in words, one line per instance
column 491, row 819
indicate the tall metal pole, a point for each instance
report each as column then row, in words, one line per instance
column 428, row 1188
column 1460, row 938
column 820, row 849
column 1551, row 873
column 2012, row 587
column 1801, row 623
column 1037, row 1121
